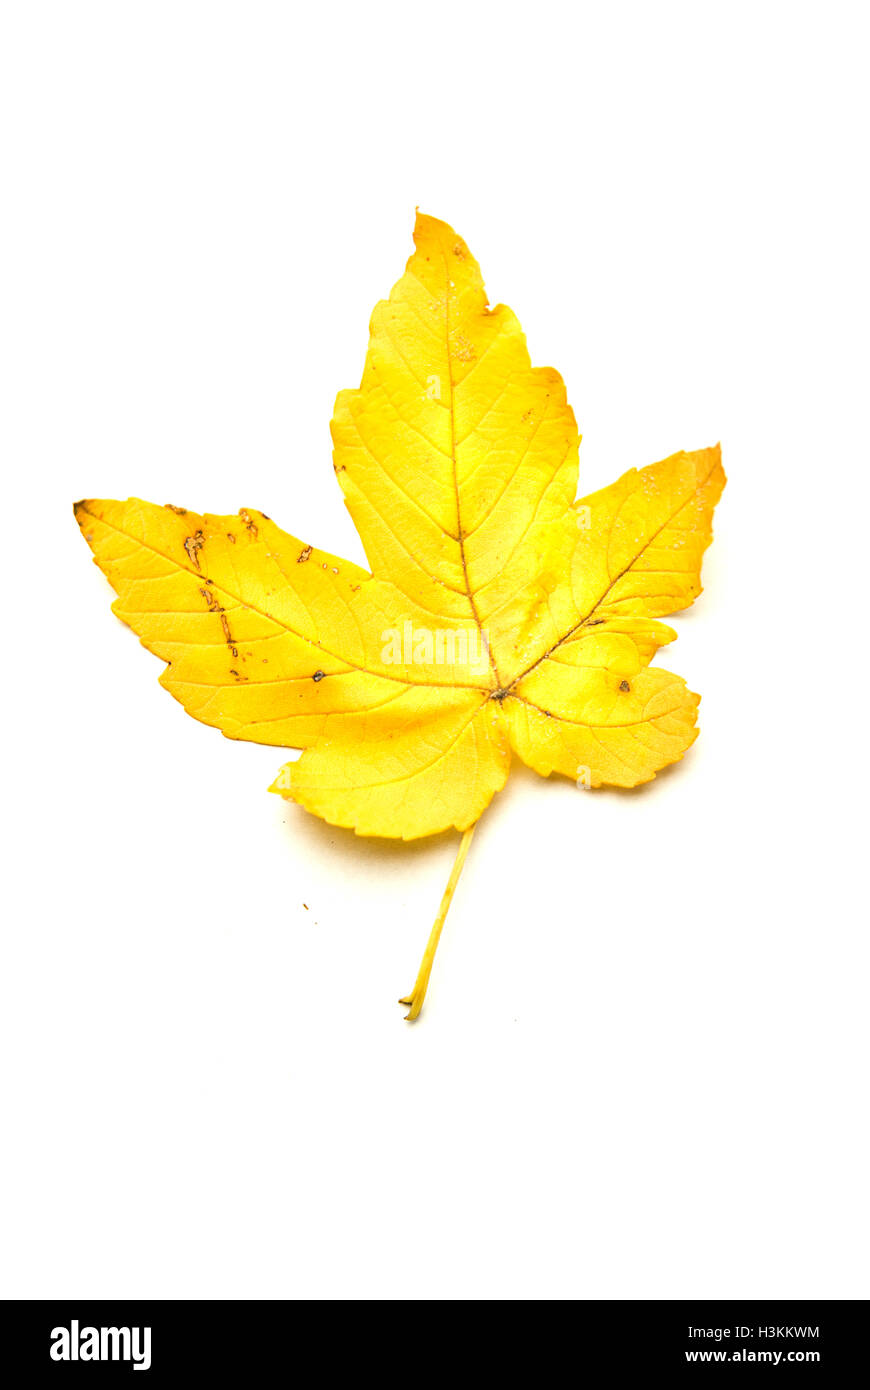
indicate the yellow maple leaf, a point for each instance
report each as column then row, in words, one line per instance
column 500, row 613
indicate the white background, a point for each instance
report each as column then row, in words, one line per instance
column 642, row 1068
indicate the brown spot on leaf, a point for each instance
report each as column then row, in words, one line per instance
column 624, row 686
column 304, row 554
column 318, row 676
column 228, row 636
column 179, row 511
column 214, row 607
column 231, row 538
column 193, row 545
column 249, row 522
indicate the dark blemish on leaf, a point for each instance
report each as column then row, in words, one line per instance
column 304, row 554
column 237, row 675
column 596, row 621
column 458, row 252
column 231, row 538
column 249, row 522
column 193, row 545
column 624, row 686
column 228, row 636
column 179, row 511
column 318, row 675
column 214, row 607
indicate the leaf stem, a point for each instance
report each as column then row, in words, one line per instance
column 418, row 994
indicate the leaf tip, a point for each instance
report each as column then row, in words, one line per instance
column 430, row 232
